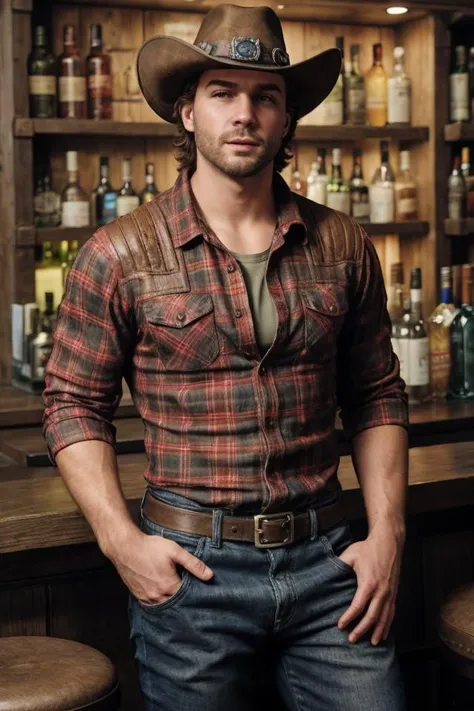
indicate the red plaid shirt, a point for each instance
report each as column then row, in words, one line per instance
column 225, row 425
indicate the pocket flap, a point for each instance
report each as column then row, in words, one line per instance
column 177, row 310
column 329, row 299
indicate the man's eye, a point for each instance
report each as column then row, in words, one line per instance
column 266, row 97
column 221, row 94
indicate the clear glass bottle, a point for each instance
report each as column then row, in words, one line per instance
column 402, row 334
column 471, row 80
column 298, row 183
column 459, row 93
column 42, row 77
column 355, row 90
column 462, row 342
column 48, row 276
column 339, row 197
column 42, row 344
column 456, row 270
column 127, row 199
column 72, row 78
column 46, row 204
column 468, row 179
column 376, row 89
column 382, row 189
column 99, row 78
column 317, row 183
column 333, row 105
column 75, row 209
column 395, row 304
column 360, row 208
column 104, row 197
column 150, row 190
column 399, row 91
column 73, row 251
column 406, row 191
column 439, row 325
column 418, row 385
column 457, row 192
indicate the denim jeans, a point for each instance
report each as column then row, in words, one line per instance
column 265, row 611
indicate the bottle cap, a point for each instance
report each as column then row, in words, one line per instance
column 340, row 44
column 322, row 152
column 336, row 156
column 40, row 35
column 126, row 169
column 405, row 160
column 396, row 273
column 465, row 154
column 446, row 277
column 415, row 278
column 69, row 34
column 71, row 160
column 377, row 48
column 355, row 50
column 398, row 52
column 96, row 35
column 150, row 168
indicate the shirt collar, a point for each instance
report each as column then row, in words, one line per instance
column 189, row 223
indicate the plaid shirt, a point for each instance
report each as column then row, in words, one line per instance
column 224, row 425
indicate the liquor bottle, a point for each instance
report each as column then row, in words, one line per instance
column 457, row 285
column 46, row 204
column 459, row 87
column 48, row 276
column 127, row 199
column 399, row 91
column 418, row 385
column 339, row 197
column 317, row 189
column 469, row 180
column 359, row 192
column 402, row 335
column 457, row 192
column 63, row 254
column 298, row 184
column 355, row 84
column 381, row 190
column 462, row 342
column 150, row 191
column 395, row 304
column 42, row 77
column 376, row 89
column 439, row 324
column 99, row 78
column 72, row 78
column 71, row 258
column 104, row 197
column 42, row 344
column 75, row 209
column 333, row 105
column 471, row 80
column 406, row 191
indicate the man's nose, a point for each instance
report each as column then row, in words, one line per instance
column 245, row 110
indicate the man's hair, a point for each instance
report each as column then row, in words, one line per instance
column 185, row 144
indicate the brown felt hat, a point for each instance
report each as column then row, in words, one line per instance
column 232, row 36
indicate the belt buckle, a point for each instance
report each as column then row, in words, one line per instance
column 288, row 521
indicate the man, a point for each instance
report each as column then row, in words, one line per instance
column 241, row 316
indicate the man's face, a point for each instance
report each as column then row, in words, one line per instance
column 239, row 119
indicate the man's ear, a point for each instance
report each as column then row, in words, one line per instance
column 288, row 118
column 187, row 116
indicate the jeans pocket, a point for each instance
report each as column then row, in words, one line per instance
column 335, row 541
column 196, row 545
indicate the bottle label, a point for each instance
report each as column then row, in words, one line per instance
column 41, row 355
column 47, row 209
column 382, row 203
column 339, row 201
column 403, row 357
column 418, row 367
column 100, row 82
column 459, row 97
column 126, row 203
column 440, row 369
column 377, row 93
column 318, row 192
column 456, row 205
column 42, row 85
column 361, row 210
column 75, row 214
column 333, row 112
column 407, row 206
column 72, row 89
column 109, row 207
column 357, row 105
column 399, row 101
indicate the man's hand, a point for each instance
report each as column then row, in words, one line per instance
column 376, row 562
column 147, row 565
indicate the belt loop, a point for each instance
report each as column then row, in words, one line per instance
column 313, row 521
column 217, row 518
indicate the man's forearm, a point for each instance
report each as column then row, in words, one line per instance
column 380, row 457
column 90, row 472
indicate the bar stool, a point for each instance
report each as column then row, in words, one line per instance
column 456, row 632
column 50, row 674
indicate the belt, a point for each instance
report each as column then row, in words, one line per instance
column 264, row 530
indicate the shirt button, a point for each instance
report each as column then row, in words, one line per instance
column 332, row 308
column 180, row 316
column 230, row 268
column 238, row 313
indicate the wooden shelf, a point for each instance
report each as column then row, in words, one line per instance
column 459, row 131
column 404, row 229
column 27, row 128
column 459, row 228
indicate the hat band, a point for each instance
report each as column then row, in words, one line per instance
column 246, row 49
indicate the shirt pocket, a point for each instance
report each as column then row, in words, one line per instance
column 325, row 308
column 182, row 330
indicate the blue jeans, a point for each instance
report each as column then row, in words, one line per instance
column 208, row 646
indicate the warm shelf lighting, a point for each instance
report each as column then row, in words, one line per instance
column 280, row 7
column 397, row 10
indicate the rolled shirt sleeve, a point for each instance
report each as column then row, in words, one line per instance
column 90, row 351
column 370, row 389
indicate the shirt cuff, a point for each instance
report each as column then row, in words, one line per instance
column 61, row 434
column 376, row 414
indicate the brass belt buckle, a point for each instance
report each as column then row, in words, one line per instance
column 288, row 523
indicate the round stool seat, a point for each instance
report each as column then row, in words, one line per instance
column 456, row 628
column 49, row 674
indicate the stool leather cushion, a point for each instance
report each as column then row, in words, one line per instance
column 50, row 674
column 456, row 622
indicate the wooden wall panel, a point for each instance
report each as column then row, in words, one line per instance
column 23, row 611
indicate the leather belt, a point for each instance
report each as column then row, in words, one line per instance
column 264, row 530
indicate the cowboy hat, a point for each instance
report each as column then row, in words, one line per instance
column 232, row 36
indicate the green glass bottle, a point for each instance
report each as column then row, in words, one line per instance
column 462, row 342
column 42, row 77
